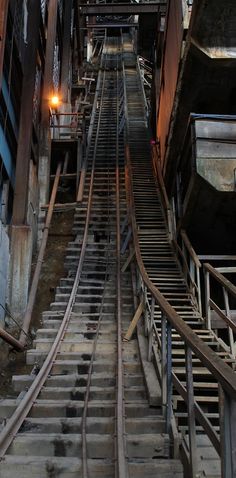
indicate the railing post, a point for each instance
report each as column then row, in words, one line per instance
column 150, row 333
column 199, row 290
column 146, row 312
column 207, row 299
column 227, row 311
column 191, row 413
column 163, row 363
column 169, row 377
column 192, row 269
column 166, row 355
column 227, row 408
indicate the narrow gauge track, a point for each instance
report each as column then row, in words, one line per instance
column 86, row 413
column 101, row 226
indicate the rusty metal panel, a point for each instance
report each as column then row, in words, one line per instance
column 215, row 152
column 170, row 66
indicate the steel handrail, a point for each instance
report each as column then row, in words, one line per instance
column 221, row 279
column 221, row 371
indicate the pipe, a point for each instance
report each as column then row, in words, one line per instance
column 35, row 281
column 16, row 344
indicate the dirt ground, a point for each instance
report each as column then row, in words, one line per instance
column 52, row 270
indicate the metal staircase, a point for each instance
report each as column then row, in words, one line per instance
column 190, row 386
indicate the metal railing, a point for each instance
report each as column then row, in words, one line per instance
column 66, row 125
column 212, row 277
column 191, row 268
column 160, row 344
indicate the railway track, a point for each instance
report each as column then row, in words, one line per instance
column 84, row 410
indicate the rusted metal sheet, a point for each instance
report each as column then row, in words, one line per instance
column 215, row 152
column 170, row 66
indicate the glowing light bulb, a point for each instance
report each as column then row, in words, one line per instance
column 55, row 100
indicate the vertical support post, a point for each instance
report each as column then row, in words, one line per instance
column 168, row 376
column 191, row 412
column 192, row 269
column 79, row 162
column 3, row 29
column 230, row 332
column 150, row 335
column 20, row 204
column 45, row 144
column 163, row 363
column 65, row 65
column 146, row 312
column 89, row 44
column 199, row 291
column 79, row 24
column 227, row 408
column 207, row 299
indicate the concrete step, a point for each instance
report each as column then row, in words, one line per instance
column 70, row 408
column 58, row 467
column 103, row 379
column 54, row 444
column 155, row 468
column 98, row 446
column 96, row 425
column 77, row 334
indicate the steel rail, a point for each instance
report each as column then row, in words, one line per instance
column 85, row 473
column 36, row 276
column 221, row 371
column 120, row 412
column 15, row 421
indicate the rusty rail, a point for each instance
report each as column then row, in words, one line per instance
column 36, row 276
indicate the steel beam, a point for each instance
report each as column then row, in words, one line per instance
column 66, row 49
column 122, row 8
column 3, row 28
column 45, row 144
column 20, row 204
column 111, row 25
column 49, row 58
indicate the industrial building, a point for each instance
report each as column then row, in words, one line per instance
column 117, row 239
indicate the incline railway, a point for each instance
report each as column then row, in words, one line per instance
column 88, row 408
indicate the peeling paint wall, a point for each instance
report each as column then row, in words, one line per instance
column 170, row 68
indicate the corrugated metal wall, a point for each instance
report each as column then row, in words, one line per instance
column 170, row 66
